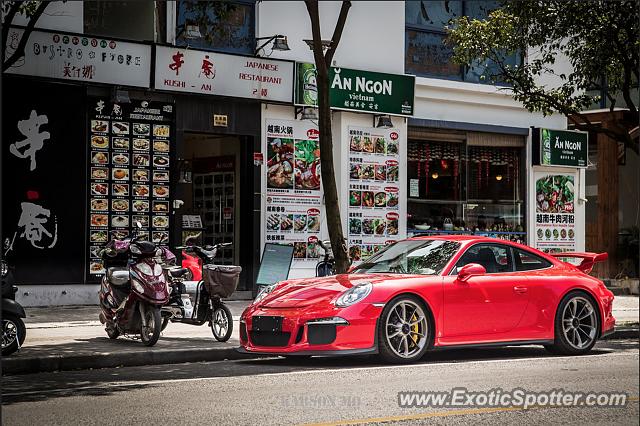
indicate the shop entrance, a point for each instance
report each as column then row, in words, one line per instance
column 211, row 194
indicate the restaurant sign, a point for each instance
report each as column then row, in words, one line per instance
column 81, row 58
column 565, row 148
column 356, row 90
column 198, row 71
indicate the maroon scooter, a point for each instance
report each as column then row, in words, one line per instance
column 133, row 289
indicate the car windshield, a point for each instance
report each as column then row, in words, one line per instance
column 423, row 257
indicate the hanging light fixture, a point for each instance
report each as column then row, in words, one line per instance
column 279, row 43
column 498, row 178
column 435, row 175
column 306, row 113
column 384, row 121
column 192, row 31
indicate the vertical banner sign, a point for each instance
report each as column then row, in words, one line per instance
column 555, row 212
column 294, row 195
column 129, row 147
column 374, row 191
column 44, row 180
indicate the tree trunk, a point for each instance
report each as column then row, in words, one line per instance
column 332, row 204
column 323, row 62
column 607, row 203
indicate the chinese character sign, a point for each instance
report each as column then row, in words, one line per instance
column 197, row 71
column 44, row 170
column 82, row 58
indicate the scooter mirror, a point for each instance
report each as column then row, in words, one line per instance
column 7, row 243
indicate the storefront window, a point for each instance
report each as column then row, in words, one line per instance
column 427, row 53
column 455, row 187
column 222, row 26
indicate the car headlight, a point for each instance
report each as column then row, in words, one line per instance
column 354, row 295
column 262, row 293
column 137, row 286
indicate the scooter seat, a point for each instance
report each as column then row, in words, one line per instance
column 178, row 272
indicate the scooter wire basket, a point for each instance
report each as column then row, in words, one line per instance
column 221, row 280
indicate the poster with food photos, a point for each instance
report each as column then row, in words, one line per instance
column 555, row 219
column 129, row 178
column 373, row 209
column 294, row 193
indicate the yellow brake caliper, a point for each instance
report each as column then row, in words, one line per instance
column 414, row 330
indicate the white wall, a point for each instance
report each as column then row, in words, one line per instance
column 476, row 103
column 373, row 37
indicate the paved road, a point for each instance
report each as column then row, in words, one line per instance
column 281, row 391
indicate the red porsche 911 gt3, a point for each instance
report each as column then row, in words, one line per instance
column 432, row 292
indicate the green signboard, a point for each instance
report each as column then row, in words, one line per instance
column 561, row 147
column 356, row 90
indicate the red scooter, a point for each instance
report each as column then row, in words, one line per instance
column 133, row 289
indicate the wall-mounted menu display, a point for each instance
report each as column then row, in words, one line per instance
column 374, row 191
column 129, row 172
column 294, row 195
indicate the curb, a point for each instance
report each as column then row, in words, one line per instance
column 624, row 333
column 14, row 366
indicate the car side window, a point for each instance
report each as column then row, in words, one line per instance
column 495, row 258
column 526, row 261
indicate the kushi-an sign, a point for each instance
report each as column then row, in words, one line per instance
column 357, row 90
column 81, row 58
column 560, row 147
column 197, row 71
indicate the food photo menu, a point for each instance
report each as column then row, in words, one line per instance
column 129, row 178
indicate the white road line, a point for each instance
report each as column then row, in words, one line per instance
column 314, row 371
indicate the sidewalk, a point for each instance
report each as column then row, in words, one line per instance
column 69, row 338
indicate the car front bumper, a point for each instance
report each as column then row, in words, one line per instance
column 312, row 330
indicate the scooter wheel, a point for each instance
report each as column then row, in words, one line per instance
column 165, row 322
column 112, row 332
column 151, row 333
column 13, row 334
column 221, row 322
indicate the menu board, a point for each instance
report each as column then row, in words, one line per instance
column 374, row 190
column 129, row 160
column 294, row 194
column 555, row 227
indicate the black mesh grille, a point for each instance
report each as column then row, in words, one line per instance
column 321, row 334
column 270, row 338
column 243, row 332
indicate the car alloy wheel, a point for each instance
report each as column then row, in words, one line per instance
column 406, row 329
column 579, row 323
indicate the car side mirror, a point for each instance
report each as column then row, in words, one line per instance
column 470, row 270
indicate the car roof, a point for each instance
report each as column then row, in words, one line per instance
column 466, row 240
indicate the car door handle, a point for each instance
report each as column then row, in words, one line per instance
column 520, row 289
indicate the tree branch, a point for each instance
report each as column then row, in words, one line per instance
column 314, row 16
column 337, row 32
column 15, row 7
column 25, row 36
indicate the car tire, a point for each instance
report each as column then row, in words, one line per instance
column 576, row 325
column 404, row 341
column 14, row 330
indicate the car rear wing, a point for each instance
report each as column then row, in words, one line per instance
column 588, row 259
